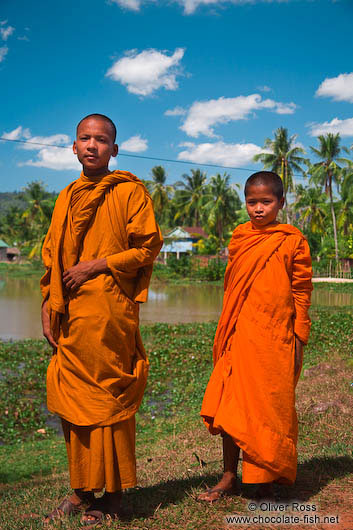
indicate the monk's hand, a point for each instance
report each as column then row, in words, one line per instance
column 299, row 347
column 46, row 327
column 77, row 275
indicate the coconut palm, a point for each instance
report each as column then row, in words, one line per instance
column 223, row 205
column 190, row 197
column 310, row 203
column 40, row 205
column 326, row 172
column 283, row 157
column 345, row 216
column 37, row 215
column 160, row 191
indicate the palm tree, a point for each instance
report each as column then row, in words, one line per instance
column 327, row 171
column 191, row 197
column 13, row 228
column 37, row 215
column 310, row 204
column 283, row 157
column 40, row 204
column 223, row 205
column 160, row 192
column 345, row 216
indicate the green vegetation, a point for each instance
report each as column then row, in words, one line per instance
column 176, row 455
column 33, row 268
column 322, row 207
column 189, row 268
column 25, row 218
column 175, row 383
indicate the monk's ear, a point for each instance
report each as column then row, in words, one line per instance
column 281, row 203
column 115, row 150
column 74, row 148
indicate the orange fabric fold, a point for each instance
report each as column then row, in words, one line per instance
column 101, row 457
column 251, row 392
column 100, row 370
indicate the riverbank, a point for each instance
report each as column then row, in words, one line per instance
column 176, row 456
column 212, row 275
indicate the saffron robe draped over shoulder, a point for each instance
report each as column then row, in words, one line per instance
column 98, row 376
column 251, row 392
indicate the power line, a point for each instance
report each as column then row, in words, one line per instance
column 170, row 160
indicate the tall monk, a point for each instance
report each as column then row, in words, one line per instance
column 258, row 347
column 98, row 255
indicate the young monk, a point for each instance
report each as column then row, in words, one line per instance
column 98, row 255
column 258, row 347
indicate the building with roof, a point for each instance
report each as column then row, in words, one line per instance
column 7, row 253
column 181, row 240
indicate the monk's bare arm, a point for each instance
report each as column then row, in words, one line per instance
column 46, row 326
column 299, row 349
column 77, row 275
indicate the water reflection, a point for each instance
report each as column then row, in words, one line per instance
column 182, row 303
column 20, row 302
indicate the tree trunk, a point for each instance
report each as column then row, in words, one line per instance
column 283, row 177
column 333, row 217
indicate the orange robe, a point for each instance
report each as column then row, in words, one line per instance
column 251, row 392
column 96, row 381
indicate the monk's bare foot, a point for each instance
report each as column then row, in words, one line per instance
column 72, row 505
column 106, row 506
column 265, row 491
column 225, row 486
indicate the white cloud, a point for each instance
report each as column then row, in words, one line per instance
column 285, row 108
column 134, row 5
column 135, row 144
column 49, row 157
column 55, row 139
column 190, row 6
column 177, row 111
column 55, row 158
column 145, row 72
column 339, row 88
column 264, row 88
column 3, row 52
column 6, row 32
column 13, row 135
column 203, row 116
column 219, row 153
column 343, row 127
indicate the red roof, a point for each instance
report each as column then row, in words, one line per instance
column 195, row 230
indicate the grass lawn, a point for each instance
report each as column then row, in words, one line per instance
column 176, row 456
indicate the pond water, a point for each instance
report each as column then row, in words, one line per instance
column 20, row 302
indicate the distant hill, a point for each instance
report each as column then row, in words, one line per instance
column 11, row 198
column 15, row 198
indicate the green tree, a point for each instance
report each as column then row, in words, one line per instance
column 222, row 206
column 283, row 157
column 160, row 192
column 310, row 203
column 326, row 172
column 345, row 216
column 37, row 215
column 190, row 197
column 13, row 227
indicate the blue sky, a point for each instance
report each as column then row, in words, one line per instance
column 204, row 81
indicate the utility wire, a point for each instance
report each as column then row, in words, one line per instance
column 145, row 157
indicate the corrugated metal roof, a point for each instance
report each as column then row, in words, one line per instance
column 3, row 244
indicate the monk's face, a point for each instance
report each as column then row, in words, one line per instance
column 94, row 146
column 262, row 205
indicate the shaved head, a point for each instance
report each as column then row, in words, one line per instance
column 103, row 118
column 266, row 178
